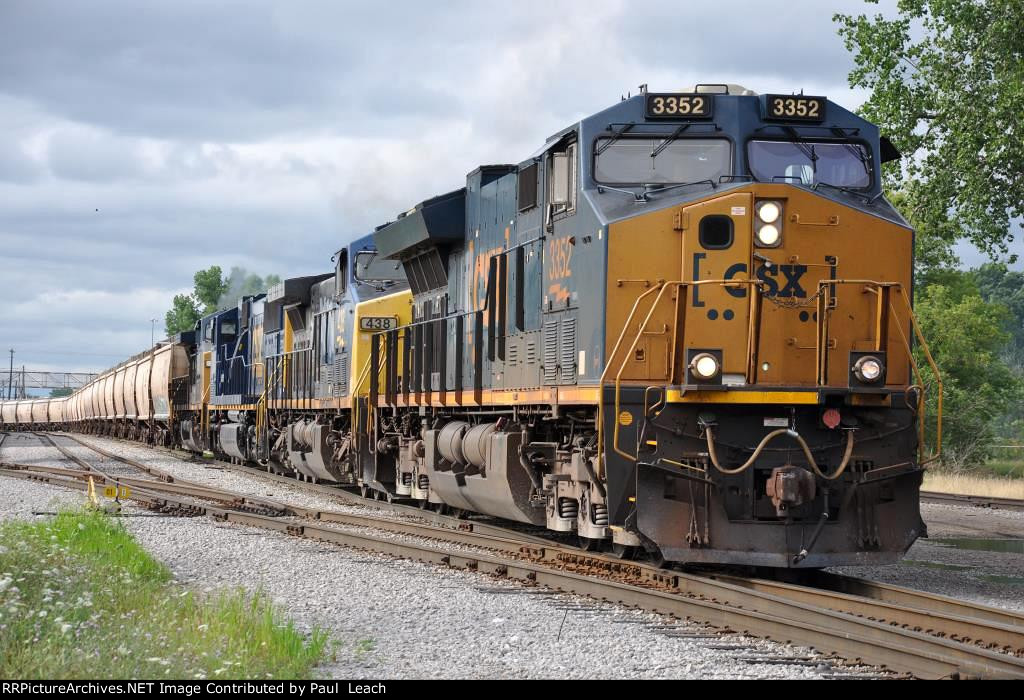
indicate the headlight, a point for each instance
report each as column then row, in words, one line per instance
column 868, row 369
column 768, row 235
column 769, row 212
column 768, row 224
column 704, row 366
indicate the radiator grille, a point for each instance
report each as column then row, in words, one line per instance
column 567, row 352
column 340, row 374
column 550, row 352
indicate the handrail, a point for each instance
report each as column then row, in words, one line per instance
column 370, row 407
column 824, row 289
column 935, row 371
column 661, row 287
column 604, row 374
column 824, row 293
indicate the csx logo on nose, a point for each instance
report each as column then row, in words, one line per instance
column 779, row 280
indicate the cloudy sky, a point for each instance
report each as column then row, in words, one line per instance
column 141, row 141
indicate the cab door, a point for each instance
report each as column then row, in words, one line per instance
column 717, row 246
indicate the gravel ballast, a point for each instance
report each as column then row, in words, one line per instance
column 987, row 577
column 401, row 619
column 394, row 618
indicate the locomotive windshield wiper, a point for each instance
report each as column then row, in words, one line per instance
column 847, row 190
column 641, row 197
column 677, row 186
column 669, row 139
column 638, row 197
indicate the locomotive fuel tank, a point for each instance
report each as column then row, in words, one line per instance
column 311, row 452
column 478, row 468
column 234, row 440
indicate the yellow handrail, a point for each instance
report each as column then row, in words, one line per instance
column 824, row 287
column 352, row 393
column 604, row 374
column 935, row 371
column 272, row 380
column 660, row 288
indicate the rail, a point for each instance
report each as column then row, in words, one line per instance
column 908, row 631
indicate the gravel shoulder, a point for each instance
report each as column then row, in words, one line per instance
column 393, row 618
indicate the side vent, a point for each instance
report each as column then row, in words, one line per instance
column 559, row 351
column 567, row 352
column 512, row 353
column 341, row 374
column 550, row 351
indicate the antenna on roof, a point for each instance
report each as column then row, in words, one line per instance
column 643, row 89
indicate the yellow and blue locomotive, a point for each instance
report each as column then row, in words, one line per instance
column 682, row 326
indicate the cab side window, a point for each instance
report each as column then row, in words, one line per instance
column 341, row 273
column 562, row 168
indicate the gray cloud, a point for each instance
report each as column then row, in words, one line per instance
column 140, row 142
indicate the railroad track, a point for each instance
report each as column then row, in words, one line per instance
column 910, row 632
column 956, row 499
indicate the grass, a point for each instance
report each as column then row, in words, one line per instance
column 1006, row 467
column 974, row 484
column 364, row 647
column 79, row 598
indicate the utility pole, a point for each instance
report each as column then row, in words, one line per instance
column 152, row 332
column 10, row 378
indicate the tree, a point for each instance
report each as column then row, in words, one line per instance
column 241, row 283
column 182, row 316
column 947, row 87
column 209, row 287
column 966, row 336
column 60, row 393
column 1006, row 287
column 998, row 284
column 213, row 292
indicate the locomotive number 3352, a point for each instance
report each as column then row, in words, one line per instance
column 796, row 107
column 676, row 105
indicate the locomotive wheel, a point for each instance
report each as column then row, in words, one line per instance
column 623, row 551
column 389, row 497
column 589, row 544
column 364, row 490
column 422, row 503
column 438, row 508
column 376, row 495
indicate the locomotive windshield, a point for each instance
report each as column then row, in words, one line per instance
column 372, row 268
column 642, row 161
column 808, row 163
